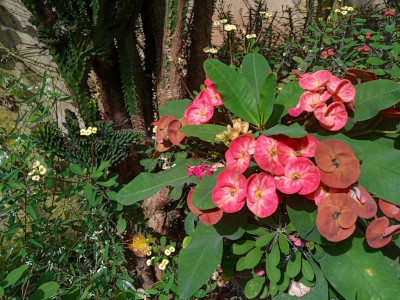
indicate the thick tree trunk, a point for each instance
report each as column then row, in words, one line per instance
column 200, row 37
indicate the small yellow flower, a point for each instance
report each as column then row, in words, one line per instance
column 149, row 253
column 83, row 131
column 350, row 8
column 36, row 178
column 148, row 262
column 263, row 12
column 94, row 130
column 161, row 267
column 249, row 36
column 223, row 21
column 206, row 49
column 213, row 50
column 268, row 15
column 216, row 23
column 165, row 262
column 253, row 35
column 229, row 27
column 344, row 12
column 172, row 249
column 42, row 170
column 89, row 128
column 167, row 252
column 36, row 164
column 31, row 172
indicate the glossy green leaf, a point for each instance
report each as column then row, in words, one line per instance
column 256, row 69
column 45, row 291
column 242, row 247
column 205, row 132
column 198, row 261
column 267, row 98
column 265, row 239
column 375, row 61
column 318, row 291
column 275, row 255
column 273, row 273
column 307, row 270
column 293, row 266
column 240, row 265
column 373, row 96
column 189, row 223
column 236, row 92
column 253, row 257
column 231, row 226
column 253, row 287
column 121, row 224
column 287, row 98
column 303, row 214
column 175, row 108
column 202, row 193
column 254, row 229
column 147, row 184
column 283, row 244
column 293, row 131
column 14, row 276
column 352, row 265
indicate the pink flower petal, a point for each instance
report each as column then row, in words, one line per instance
column 243, row 143
column 199, row 112
column 266, row 155
column 229, row 194
column 237, row 163
column 298, row 289
column 295, row 112
column 292, row 148
column 308, row 100
column 262, row 199
column 315, row 81
column 342, row 91
column 333, row 117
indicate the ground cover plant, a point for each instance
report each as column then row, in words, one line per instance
column 275, row 176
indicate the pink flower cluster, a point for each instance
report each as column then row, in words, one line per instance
column 365, row 48
column 324, row 54
column 390, row 12
column 202, row 108
column 326, row 96
column 288, row 169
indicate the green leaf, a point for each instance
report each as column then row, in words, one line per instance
column 189, row 223
column 198, row 261
column 275, row 255
column 267, row 98
column 375, row 61
column 293, row 131
column 287, row 98
column 147, row 184
column 236, row 92
column 253, row 257
column 202, row 194
column 231, row 226
column 395, row 72
column 121, row 224
column 351, row 266
column 205, row 132
column 175, row 108
column 242, row 247
column 283, row 244
column 14, row 276
column 76, row 169
column 373, row 96
column 253, row 287
column 294, row 265
column 265, row 239
column 273, row 273
column 45, row 291
column 303, row 214
column 318, row 291
column 307, row 270
column 256, row 69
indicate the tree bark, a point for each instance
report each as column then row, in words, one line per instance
column 200, row 37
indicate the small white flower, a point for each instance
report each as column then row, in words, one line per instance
column 31, row 172
column 229, row 27
column 249, row 36
column 36, row 178
column 216, row 23
column 344, row 12
column 223, row 21
column 350, row 8
column 206, row 49
column 42, row 170
column 94, row 129
column 148, row 262
column 161, row 267
column 337, row 10
column 149, row 253
column 167, row 252
column 263, row 12
column 253, row 35
column 36, row 164
column 268, row 15
column 165, row 262
column 213, row 50
column 172, row 249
